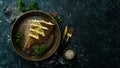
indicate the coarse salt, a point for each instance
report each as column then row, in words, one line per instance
column 69, row 54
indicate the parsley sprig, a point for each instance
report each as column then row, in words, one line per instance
column 21, row 6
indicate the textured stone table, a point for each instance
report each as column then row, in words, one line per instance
column 96, row 39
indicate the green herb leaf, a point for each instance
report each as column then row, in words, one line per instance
column 33, row 6
column 18, row 37
column 40, row 50
column 21, row 6
column 58, row 19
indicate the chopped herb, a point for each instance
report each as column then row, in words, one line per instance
column 23, row 9
column 21, row 6
column 33, row 6
column 18, row 37
column 58, row 19
column 40, row 50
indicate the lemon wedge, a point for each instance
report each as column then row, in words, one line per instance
column 40, row 31
column 33, row 35
column 36, row 24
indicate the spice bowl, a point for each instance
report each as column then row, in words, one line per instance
column 69, row 53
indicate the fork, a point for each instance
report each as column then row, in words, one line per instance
column 69, row 34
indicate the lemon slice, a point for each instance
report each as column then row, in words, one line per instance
column 44, row 28
column 47, row 23
column 37, row 30
column 40, row 31
column 36, row 24
column 34, row 35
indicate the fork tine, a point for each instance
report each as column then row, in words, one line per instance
column 71, row 30
column 69, row 34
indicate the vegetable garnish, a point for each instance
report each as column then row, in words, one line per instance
column 18, row 37
column 33, row 6
column 57, row 18
column 40, row 50
column 21, row 6
column 54, row 14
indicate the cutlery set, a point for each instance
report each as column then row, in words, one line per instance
column 65, row 38
column 67, row 34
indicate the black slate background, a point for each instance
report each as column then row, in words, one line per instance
column 96, row 38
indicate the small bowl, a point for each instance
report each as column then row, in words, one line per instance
column 69, row 50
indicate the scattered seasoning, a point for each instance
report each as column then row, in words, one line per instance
column 69, row 54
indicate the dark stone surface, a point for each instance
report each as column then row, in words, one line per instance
column 96, row 38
